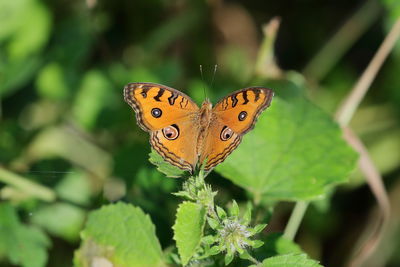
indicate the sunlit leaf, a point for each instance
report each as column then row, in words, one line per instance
column 120, row 234
column 295, row 152
column 290, row 260
column 188, row 229
column 163, row 166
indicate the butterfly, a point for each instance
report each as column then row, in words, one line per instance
column 188, row 136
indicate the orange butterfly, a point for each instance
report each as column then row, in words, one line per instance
column 184, row 134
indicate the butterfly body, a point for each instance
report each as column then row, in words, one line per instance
column 188, row 136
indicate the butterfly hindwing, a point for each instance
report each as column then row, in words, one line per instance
column 216, row 148
column 180, row 152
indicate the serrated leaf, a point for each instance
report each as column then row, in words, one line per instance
column 295, row 152
column 188, row 229
column 20, row 244
column 290, row 260
column 122, row 234
column 163, row 166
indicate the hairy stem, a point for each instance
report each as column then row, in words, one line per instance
column 254, row 260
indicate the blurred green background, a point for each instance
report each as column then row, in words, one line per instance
column 65, row 127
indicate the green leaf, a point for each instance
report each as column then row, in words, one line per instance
column 51, row 82
column 228, row 258
column 276, row 244
column 221, row 213
column 188, row 229
column 208, row 240
column 61, row 142
column 26, row 25
column 61, row 219
column 258, row 228
column 290, row 260
column 75, row 187
column 22, row 245
column 295, row 152
column 213, row 223
column 214, row 250
column 121, row 234
column 257, row 243
column 165, row 167
column 247, row 214
column 93, row 95
column 234, row 209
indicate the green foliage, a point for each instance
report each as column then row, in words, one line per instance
column 393, row 8
column 163, row 166
column 188, row 229
column 60, row 219
column 21, row 244
column 299, row 260
column 93, row 95
column 24, row 32
column 121, row 234
column 276, row 244
column 51, row 82
column 74, row 187
column 287, row 155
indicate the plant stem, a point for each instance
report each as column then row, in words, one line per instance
column 24, row 185
column 295, row 219
column 344, row 38
column 351, row 103
column 253, row 260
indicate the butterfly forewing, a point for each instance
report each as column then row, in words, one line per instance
column 240, row 110
column 157, row 106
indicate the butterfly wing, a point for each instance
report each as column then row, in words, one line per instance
column 234, row 116
column 162, row 110
column 216, row 150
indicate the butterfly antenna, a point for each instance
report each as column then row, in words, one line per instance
column 213, row 78
column 202, row 79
